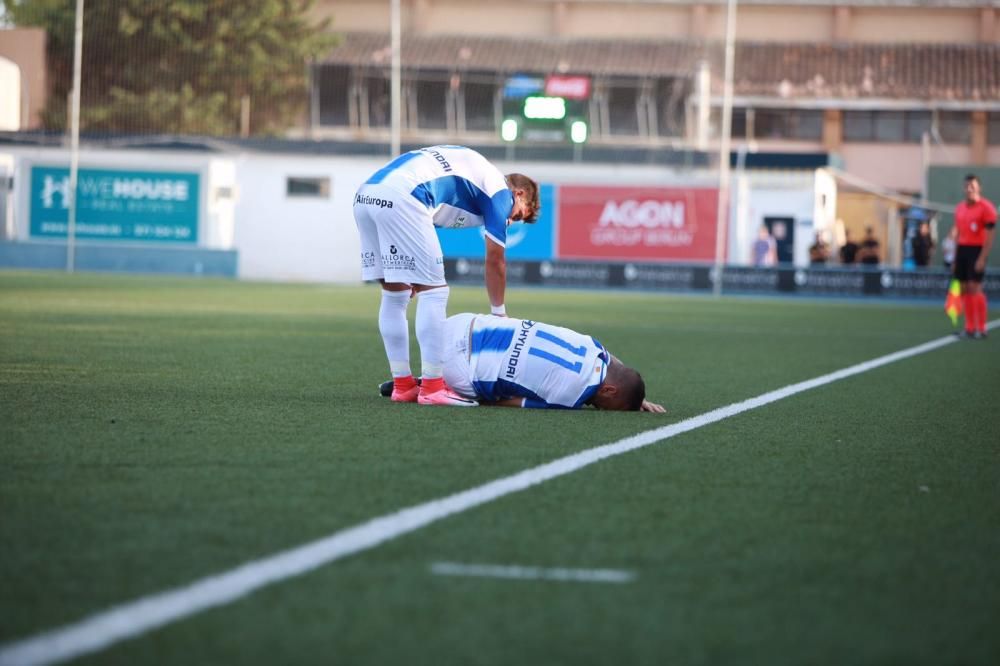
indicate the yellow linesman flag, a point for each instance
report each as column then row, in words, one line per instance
column 953, row 302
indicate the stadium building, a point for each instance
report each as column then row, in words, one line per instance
column 886, row 86
column 845, row 115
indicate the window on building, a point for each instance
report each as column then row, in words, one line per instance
column 431, row 89
column 671, row 97
column 742, row 123
column 802, row 124
column 376, row 96
column 307, row 187
column 955, row 126
column 807, row 124
column 769, row 124
column 885, row 126
column 740, row 130
column 334, row 86
column 623, row 109
column 646, row 108
column 917, row 122
column 859, row 125
column 993, row 128
column 479, row 97
column 789, row 124
column 890, row 126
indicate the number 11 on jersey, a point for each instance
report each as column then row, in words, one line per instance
column 558, row 356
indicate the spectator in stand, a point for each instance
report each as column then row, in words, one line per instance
column 869, row 254
column 948, row 247
column 765, row 248
column 849, row 250
column 819, row 252
column 922, row 245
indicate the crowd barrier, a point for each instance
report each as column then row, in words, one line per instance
column 834, row 281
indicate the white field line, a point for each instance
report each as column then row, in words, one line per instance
column 138, row 617
column 518, row 572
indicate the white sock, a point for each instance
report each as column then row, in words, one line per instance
column 395, row 331
column 432, row 310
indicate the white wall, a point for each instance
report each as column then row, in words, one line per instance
column 290, row 238
column 220, row 203
column 6, row 197
column 825, row 210
column 10, row 96
column 760, row 194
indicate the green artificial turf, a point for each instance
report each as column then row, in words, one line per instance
column 158, row 430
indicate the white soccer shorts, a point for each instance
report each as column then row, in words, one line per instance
column 398, row 240
column 457, row 370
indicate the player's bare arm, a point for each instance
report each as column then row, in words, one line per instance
column 496, row 275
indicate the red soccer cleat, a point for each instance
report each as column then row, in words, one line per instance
column 405, row 389
column 436, row 392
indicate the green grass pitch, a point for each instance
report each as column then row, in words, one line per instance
column 154, row 431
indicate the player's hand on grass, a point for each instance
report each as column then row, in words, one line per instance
column 648, row 406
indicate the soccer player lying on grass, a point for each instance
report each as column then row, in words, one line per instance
column 523, row 363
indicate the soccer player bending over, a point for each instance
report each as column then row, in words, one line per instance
column 523, row 363
column 396, row 211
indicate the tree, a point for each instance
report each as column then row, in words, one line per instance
column 179, row 66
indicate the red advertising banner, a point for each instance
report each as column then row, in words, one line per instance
column 637, row 223
column 570, row 87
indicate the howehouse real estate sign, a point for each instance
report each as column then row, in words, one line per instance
column 637, row 223
column 148, row 206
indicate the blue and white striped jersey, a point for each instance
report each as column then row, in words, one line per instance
column 460, row 186
column 549, row 366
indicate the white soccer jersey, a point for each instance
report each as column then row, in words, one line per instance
column 460, row 186
column 548, row 366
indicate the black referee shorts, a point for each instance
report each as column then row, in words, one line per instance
column 965, row 263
